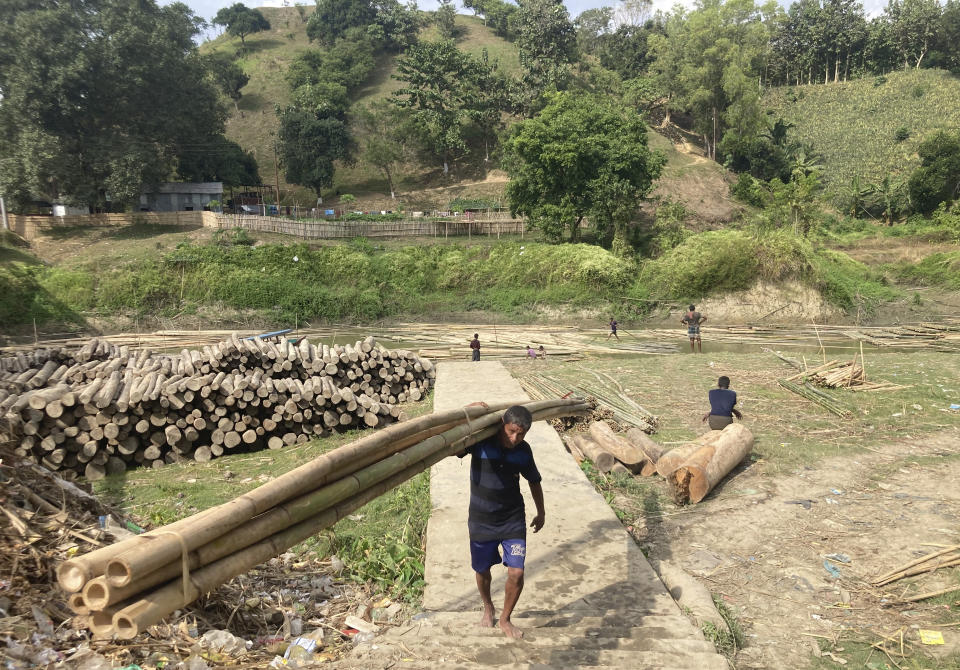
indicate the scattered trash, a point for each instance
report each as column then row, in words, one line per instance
column 832, row 569
column 831, row 501
column 361, row 625
column 839, row 558
column 836, row 492
column 803, row 503
column 930, row 636
column 224, row 641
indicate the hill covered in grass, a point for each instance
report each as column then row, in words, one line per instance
column 870, row 128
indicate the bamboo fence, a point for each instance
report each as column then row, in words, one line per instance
column 418, row 227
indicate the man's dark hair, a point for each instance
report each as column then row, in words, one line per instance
column 475, row 336
column 518, row 415
column 724, row 382
column 692, row 308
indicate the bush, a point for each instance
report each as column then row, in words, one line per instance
column 901, row 134
column 748, row 190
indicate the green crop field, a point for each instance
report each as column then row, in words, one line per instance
column 853, row 125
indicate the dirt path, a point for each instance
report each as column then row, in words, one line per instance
column 760, row 543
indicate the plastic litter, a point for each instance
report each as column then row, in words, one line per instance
column 931, row 636
column 224, row 641
column 832, row 569
column 839, row 558
column 803, row 503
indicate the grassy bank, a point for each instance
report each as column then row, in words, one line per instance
column 362, row 281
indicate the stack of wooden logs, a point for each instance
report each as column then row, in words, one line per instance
column 103, row 408
column 123, row 588
column 691, row 470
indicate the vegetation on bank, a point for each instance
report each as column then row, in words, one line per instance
column 359, row 281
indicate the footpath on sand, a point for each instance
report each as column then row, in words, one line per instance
column 590, row 598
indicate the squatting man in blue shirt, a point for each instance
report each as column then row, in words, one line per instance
column 497, row 518
column 722, row 400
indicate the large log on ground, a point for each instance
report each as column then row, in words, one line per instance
column 602, row 460
column 671, row 460
column 709, row 464
column 650, row 449
column 619, row 447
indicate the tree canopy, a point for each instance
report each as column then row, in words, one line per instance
column 99, row 98
column 241, row 20
column 580, row 156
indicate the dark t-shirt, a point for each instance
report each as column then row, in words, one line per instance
column 496, row 504
column 692, row 319
column 722, row 401
column 475, row 344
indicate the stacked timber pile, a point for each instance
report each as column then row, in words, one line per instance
column 123, row 588
column 103, row 408
column 691, row 470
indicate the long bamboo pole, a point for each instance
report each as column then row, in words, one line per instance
column 154, row 606
column 101, row 592
column 160, row 549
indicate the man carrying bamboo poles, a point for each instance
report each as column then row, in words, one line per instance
column 692, row 320
column 722, row 401
column 497, row 516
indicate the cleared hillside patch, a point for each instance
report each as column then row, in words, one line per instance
column 853, row 125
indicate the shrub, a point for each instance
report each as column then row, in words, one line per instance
column 749, row 190
column 901, row 134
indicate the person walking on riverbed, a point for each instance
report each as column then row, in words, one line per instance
column 497, row 517
column 475, row 347
column 722, row 401
column 613, row 330
column 692, row 320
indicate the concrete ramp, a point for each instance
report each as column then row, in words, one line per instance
column 590, row 598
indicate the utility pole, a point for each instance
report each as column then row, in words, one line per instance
column 276, row 174
column 3, row 214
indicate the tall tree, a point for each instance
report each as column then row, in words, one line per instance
column 580, row 156
column 915, row 26
column 590, row 25
column 332, row 18
column 386, row 136
column 547, row 43
column 435, row 80
column 309, row 144
column 98, row 98
column 241, row 21
column 228, row 75
column 446, row 19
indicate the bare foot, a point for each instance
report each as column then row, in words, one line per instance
column 510, row 630
column 489, row 616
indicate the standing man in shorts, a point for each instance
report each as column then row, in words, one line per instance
column 692, row 320
column 497, row 516
column 475, row 347
column 613, row 330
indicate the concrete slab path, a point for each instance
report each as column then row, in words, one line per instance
column 591, row 600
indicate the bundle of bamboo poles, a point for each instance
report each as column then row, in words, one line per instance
column 126, row 587
column 103, row 408
column 946, row 557
column 810, row 392
column 624, row 409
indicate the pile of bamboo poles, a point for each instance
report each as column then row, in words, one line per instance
column 811, row 392
column 103, row 408
column 607, row 392
column 126, row 587
column 946, row 557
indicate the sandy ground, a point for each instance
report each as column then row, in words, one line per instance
column 760, row 543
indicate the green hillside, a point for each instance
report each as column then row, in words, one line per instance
column 265, row 60
column 853, row 126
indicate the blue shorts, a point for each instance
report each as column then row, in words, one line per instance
column 484, row 555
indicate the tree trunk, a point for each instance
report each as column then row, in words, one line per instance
column 621, row 448
column 709, row 464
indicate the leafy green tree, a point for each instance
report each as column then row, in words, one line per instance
column 349, row 64
column 218, row 159
column 798, row 198
column 486, row 100
column 946, row 52
column 332, row 18
column 228, row 75
column 436, row 80
column 98, row 98
column 501, row 16
column 547, row 43
column 309, row 145
column 888, row 196
column 938, row 177
column 446, row 19
column 580, row 157
column 241, row 20
column 591, row 25
column 914, row 26
column 386, row 135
